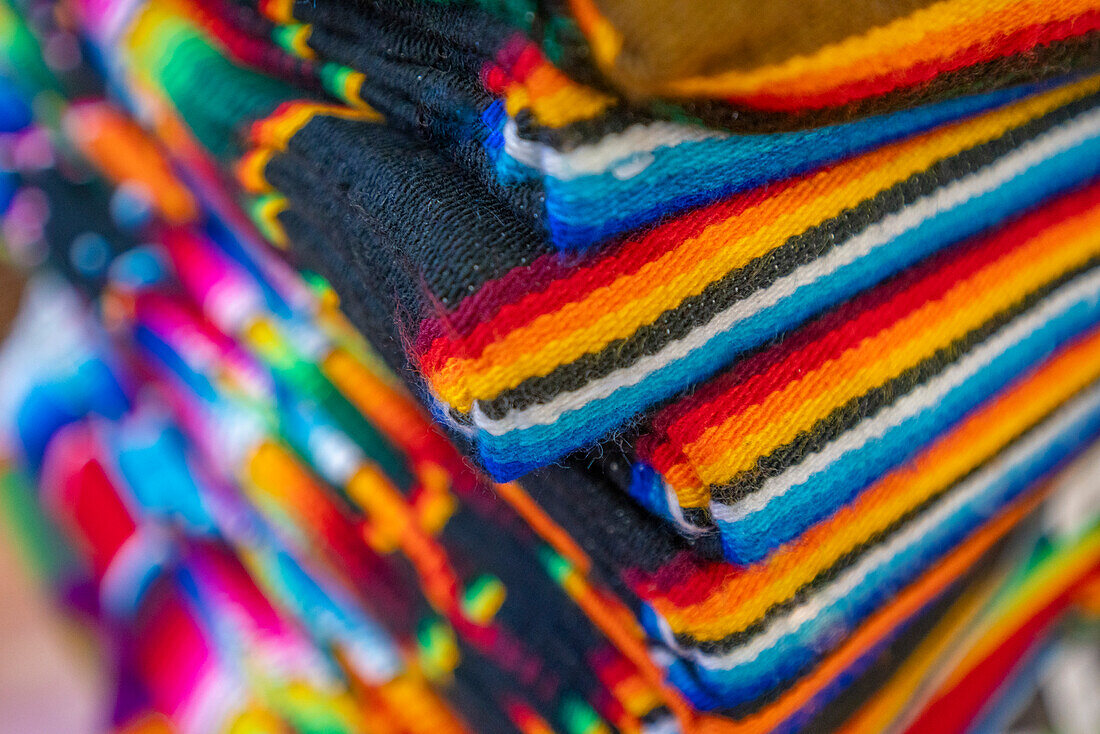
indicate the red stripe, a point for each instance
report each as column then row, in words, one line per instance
column 686, row 580
column 84, row 498
column 545, row 281
column 250, row 50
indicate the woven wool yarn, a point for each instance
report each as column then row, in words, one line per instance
column 531, row 400
column 530, row 404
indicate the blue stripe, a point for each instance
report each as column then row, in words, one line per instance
column 647, row 487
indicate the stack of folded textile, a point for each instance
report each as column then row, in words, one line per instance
column 765, row 328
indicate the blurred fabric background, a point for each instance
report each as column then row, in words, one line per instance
column 51, row 675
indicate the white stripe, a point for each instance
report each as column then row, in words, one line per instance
column 968, row 492
column 613, row 152
column 882, row 233
column 1085, row 290
column 676, row 513
column 217, row 698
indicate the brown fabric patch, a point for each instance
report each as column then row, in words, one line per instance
column 665, row 40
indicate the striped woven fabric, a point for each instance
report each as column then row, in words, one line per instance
column 746, row 632
column 761, row 631
column 471, row 634
column 288, row 493
column 1005, row 648
column 166, row 620
column 159, row 460
column 778, row 443
column 497, row 335
column 991, row 627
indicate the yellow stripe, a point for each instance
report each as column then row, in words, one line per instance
column 891, row 700
column 1039, row 589
column 267, row 210
column 250, row 171
column 299, row 40
column 564, row 103
column 353, row 83
column 276, row 130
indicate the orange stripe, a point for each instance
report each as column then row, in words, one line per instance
column 925, row 36
column 1039, row 591
column 931, row 48
column 276, row 130
column 614, row 620
column 622, row 631
column 392, row 412
column 127, row 154
column 687, row 267
column 891, row 701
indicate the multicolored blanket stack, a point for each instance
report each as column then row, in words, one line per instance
column 760, row 345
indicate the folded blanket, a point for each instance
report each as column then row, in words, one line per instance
column 338, row 561
column 292, row 499
column 181, row 346
column 553, row 356
column 999, row 628
column 289, row 499
column 745, row 630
